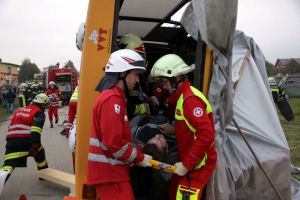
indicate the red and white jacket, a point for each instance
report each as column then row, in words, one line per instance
column 54, row 96
column 27, row 122
column 110, row 152
column 190, row 151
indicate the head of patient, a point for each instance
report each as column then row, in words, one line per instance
column 157, row 147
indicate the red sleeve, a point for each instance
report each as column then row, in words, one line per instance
column 116, row 133
column 195, row 113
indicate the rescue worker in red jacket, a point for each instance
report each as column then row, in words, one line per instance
column 72, row 111
column 24, row 136
column 54, row 95
column 136, row 106
column 159, row 97
column 194, row 129
column 110, row 152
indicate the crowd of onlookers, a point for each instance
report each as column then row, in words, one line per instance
column 7, row 97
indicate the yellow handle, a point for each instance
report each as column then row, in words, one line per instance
column 165, row 167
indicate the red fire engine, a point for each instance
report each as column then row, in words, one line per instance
column 65, row 79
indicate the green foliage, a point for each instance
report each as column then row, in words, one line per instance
column 292, row 130
column 4, row 115
column 27, row 70
column 69, row 64
column 270, row 69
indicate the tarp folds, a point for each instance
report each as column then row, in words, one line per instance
column 238, row 175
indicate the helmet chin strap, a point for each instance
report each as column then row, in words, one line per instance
column 124, row 82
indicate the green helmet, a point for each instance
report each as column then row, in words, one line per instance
column 23, row 85
column 271, row 80
column 42, row 99
column 133, row 42
column 170, row 65
column 152, row 79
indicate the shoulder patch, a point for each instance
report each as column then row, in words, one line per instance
column 117, row 108
column 198, row 112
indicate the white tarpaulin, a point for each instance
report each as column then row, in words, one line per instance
column 237, row 175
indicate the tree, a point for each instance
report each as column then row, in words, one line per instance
column 69, row 64
column 27, row 70
column 270, row 68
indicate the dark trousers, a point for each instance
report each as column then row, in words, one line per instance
column 21, row 145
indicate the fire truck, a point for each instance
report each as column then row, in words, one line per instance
column 65, row 78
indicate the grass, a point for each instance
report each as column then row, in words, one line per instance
column 4, row 110
column 292, row 130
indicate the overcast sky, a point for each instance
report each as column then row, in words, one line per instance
column 45, row 31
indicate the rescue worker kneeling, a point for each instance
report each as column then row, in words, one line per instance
column 24, row 136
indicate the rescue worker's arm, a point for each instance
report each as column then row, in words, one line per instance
column 166, row 128
column 37, row 127
column 195, row 113
column 113, row 127
column 137, row 109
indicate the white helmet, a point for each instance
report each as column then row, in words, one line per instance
column 51, row 83
column 124, row 60
column 42, row 99
column 271, row 80
column 80, row 36
column 120, row 61
column 72, row 138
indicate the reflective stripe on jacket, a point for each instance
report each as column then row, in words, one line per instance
column 194, row 129
column 109, row 148
column 74, row 97
column 23, row 124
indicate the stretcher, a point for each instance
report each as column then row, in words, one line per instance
column 162, row 166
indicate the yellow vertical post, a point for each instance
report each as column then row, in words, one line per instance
column 96, row 50
column 207, row 71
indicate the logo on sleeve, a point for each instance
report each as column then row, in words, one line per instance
column 198, row 112
column 117, row 108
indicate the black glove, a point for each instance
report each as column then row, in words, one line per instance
column 34, row 150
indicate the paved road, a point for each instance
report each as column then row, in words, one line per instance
column 24, row 180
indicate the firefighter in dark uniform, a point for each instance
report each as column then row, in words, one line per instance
column 25, row 95
column 34, row 90
column 137, row 98
column 276, row 91
column 41, row 88
column 24, row 136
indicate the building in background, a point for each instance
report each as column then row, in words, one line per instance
column 283, row 63
column 8, row 74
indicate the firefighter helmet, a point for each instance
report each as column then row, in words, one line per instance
column 152, row 79
column 124, row 60
column 120, row 61
column 52, row 83
column 271, row 80
column 42, row 99
column 170, row 65
column 23, row 85
column 133, row 42
column 80, row 36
